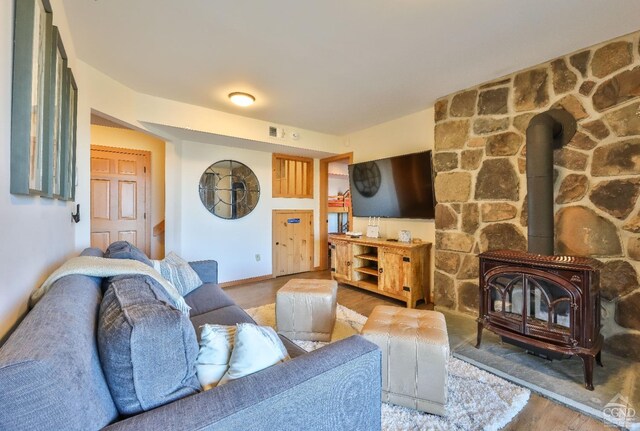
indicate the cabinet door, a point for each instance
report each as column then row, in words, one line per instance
column 341, row 259
column 395, row 269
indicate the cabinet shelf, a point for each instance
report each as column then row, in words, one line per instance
column 368, row 285
column 366, row 270
column 371, row 257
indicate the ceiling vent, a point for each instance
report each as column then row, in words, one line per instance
column 276, row 132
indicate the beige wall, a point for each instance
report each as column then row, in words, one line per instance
column 408, row 134
column 131, row 139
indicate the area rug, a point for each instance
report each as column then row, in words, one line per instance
column 477, row 400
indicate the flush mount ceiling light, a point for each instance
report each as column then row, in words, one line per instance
column 242, row 99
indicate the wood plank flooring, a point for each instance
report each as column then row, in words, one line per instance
column 540, row 414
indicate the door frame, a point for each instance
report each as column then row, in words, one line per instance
column 324, row 203
column 273, row 241
column 147, row 179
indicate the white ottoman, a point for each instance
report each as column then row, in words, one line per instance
column 306, row 309
column 415, row 351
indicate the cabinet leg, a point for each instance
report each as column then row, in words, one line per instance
column 587, row 363
column 479, row 339
column 599, row 358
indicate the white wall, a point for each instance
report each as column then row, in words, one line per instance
column 233, row 243
column 409, row 134
column 132, row 139
column 36, row 234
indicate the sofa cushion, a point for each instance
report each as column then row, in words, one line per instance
column 147, row 348
column 177, row 271
column 207, row 270
column 126, row 250
column 50, row 372
column 229, row 315
column 207, row 297
column 92, row 251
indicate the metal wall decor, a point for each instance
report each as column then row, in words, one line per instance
column 44, row 106
column 229, row 189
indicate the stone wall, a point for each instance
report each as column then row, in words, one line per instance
column 480, row 154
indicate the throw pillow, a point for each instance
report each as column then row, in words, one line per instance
column 254, row 348
column 178, row 272
column 216, row 344
column 126, row 250
column 147, row 348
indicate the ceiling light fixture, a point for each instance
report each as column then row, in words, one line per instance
column 242, row 99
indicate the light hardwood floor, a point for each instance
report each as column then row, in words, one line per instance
column 539, row 414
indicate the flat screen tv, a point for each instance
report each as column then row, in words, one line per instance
column 399, row 187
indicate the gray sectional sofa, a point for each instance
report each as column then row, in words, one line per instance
column 51, row 376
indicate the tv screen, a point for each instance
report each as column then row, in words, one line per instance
column 400, row 187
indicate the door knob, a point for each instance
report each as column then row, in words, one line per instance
column 277, row 243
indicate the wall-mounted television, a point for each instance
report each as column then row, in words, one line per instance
column 400, row 187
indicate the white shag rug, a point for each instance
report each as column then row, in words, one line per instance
column 477, row 400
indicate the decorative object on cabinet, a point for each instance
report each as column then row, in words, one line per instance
column 229, row 189
column 373, row 228
column 393, row 269
column 44, row 105
column 404, row 236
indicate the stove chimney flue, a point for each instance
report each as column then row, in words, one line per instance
column 546, row 132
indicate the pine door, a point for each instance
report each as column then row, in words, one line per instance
column 293, row 241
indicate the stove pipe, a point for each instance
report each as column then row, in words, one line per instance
column 546, row 132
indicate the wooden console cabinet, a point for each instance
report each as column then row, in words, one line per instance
column 395, row 269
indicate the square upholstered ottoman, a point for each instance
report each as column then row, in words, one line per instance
column 415, row 351
column 306, row 309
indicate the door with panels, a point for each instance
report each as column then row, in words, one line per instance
column 293, row 241
column 120, row 197
column 395, row 271
column 341, row 258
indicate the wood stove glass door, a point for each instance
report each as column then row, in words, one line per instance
column 506, row 300
column 549, row 309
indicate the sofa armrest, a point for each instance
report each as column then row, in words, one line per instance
column 337, row 387
column 207, row 270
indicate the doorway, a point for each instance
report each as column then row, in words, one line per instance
column 120, row 197
column 293, row 242
column 333, row 181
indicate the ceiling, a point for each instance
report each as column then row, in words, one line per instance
column 334, row 66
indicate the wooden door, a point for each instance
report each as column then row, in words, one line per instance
column 293, row 241
column 120, row 197
column 395, row 269
column 341, row 259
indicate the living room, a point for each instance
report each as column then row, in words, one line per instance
column 454, row 118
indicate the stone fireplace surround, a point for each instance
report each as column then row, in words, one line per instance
column 479, row 157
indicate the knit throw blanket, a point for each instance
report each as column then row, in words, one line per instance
column 103, row 267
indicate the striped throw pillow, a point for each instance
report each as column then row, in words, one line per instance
column 178, row 272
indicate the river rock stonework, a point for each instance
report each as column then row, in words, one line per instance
column 480, row 147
